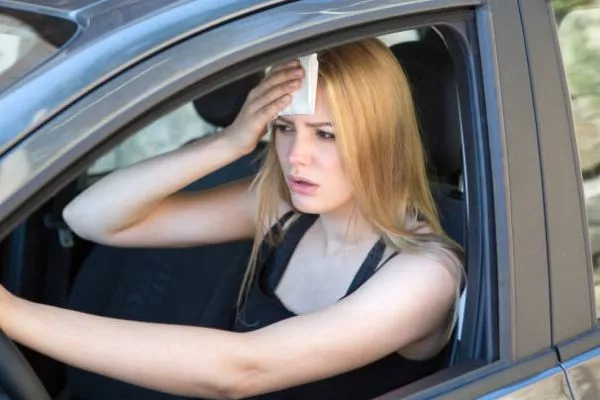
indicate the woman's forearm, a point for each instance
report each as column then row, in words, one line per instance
column 128, row 195
column 182, row 360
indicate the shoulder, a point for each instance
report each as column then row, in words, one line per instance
column 438, row 250
column 413, row 295
column 424, row 272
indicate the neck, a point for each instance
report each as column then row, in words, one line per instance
column 345, row 226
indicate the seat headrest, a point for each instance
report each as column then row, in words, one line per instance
column 221, row 106
column 430, row 71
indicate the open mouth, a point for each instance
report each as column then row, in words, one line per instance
column 302, row 186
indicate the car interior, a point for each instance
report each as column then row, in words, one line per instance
column 43, row 261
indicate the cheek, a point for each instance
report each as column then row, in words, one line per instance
column 282, row 148
column 332, row 164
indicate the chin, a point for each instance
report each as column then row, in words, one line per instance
column 311, row 205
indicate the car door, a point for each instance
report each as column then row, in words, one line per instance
column 507, row 333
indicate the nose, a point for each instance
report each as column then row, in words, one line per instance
column 301, row 150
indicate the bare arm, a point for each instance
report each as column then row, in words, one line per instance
column 138, row 205
column 407, row 300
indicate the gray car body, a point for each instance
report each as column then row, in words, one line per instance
column 112, row 36
column 128, row 56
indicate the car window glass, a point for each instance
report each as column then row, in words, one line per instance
column 391, row 39
column 165, row 134
column 27, row 40
column 578, row 24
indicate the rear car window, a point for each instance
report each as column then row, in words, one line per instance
column 27, row 40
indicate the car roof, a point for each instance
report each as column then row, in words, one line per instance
column 57, row 5
column 82, row 10
column 112, row 35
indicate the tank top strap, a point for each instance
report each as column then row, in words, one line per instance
column 265, row 248
column 369, row 266
column 284, row 252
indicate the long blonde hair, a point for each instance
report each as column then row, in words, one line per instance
column 377, row 134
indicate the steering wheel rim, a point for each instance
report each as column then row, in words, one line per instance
column 17, row 377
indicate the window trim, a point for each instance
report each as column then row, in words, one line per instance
column 570, row 263
column 525, row 308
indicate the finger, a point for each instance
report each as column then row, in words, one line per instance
column 290, row 64
column 276, row 78
column 269, row 112
column 258, row 89
column 273, row 79
column 275, row 93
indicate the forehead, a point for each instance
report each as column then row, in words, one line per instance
column 321, row 112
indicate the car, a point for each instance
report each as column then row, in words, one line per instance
column 89, row 86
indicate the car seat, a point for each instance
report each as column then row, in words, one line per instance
column 166, row 285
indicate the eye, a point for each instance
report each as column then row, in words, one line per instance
column 281, row 128
column 325, row 135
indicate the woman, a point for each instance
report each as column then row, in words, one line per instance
column 350, row 294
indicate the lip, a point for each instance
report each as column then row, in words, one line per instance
column 303, row 186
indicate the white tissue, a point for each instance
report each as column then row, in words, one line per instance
column 304, row 99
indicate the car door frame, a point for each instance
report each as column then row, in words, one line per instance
column 575, row 330
column 506, row 115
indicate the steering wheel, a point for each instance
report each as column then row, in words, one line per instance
column 16, row 375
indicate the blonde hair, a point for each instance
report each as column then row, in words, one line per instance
column 377, row 134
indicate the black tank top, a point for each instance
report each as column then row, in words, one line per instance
column 262, row 308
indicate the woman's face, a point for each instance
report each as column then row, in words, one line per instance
column 311, row 163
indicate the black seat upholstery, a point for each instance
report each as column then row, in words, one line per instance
column 430, row 71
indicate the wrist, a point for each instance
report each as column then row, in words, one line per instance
column 232, row 140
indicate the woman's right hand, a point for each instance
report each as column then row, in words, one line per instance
column 6, row 298
column 263, row 104
column 134, row 205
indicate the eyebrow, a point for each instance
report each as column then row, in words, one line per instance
column 313, row 125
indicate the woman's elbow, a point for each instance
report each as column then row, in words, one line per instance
column 241, row 384
column 72, row 218
column 78, row 223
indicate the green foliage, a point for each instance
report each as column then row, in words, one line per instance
column 562, row 7
column 580, row 46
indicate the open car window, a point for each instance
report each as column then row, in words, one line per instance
column 184, row 125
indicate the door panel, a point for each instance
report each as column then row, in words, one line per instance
column 551, row 384
column 574, row 331
column 584, row 375
column 569, row 261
